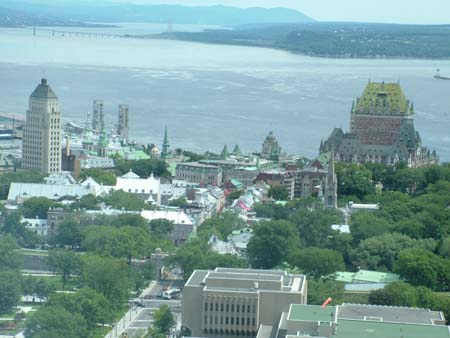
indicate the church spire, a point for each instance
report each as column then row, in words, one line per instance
column 165, row 153
column 331, row 183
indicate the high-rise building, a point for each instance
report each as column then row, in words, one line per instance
column 381, row 130
column 122, row 125
column 42, row 132
column 98, row 117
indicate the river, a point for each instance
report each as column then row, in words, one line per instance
column 211, row 95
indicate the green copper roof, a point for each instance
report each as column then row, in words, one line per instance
column 372, row 329
column 366, row 276
column 312, row 313
column 383, row 99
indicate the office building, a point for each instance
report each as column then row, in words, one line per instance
column 42, row 132
column 236, row 302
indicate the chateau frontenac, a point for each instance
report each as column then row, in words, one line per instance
column 381, row 130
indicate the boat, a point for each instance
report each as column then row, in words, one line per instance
column 439, row 76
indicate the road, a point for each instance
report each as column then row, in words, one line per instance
column 136, row 322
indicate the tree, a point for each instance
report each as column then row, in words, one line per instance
column 162, row 226
column 163, row 319
column 9, row 255
column 421, row 267
column 125, row 242
column 64, row 263
column 100, row 176
column 179, row 202
column 321, row 289
column 380, row 252
column 133, row 220
column 69, row 233
column 314, row 226
column 120, row 199
column 222, row 225
column 55, row 322
column 10, row 290
column 354, row 180
column 189, row 257
column 37, row 207
column 272, row 244
column 87, row 202
column 279, row 193
column 366, row 224
column 107, row 276
column 318, row 262
column 395, row 294
column 14, row 226
column 271, row 210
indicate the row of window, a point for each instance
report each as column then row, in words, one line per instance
column 231, row 321
column 233, row 307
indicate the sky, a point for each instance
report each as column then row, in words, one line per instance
column 391, row 11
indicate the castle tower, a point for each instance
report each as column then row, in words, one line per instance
column 331, row 185
column 123, row 122
column 98, row 117
column 165, row 153
column 42, row 132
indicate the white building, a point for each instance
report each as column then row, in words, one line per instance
column 42, row 132
column 146, row 188
column 38, row 226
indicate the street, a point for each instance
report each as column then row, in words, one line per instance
column 136, row 322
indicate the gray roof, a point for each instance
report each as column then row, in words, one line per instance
column 388, row 313
column 44, row 91
column 51, row 191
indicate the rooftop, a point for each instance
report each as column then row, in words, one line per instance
column 312, row 313
column 372, row 329
column 387, row 98
column 44, row 91
column 367, row 276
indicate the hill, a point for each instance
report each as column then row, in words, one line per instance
column 177, row 14
column 336, row 39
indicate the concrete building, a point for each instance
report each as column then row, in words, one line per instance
column 236, row 302
column 203, row 174
column 381, row 130
column 309, row 181
column 98, row 115
column 357, row 321
column 42, row 132
column 123, row 127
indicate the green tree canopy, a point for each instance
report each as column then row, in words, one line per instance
column 318, row 262
column 9, row 253
column 64, row 263
column 37, row 207
column 20, row 176
column 163, row 319
column 100, row 176
column 55, row 322
column 119, row 199
column 107, row 276
column 279, row 193
column 10, row 290
column 272, row 244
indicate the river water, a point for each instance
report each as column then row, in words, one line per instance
column 211, row 95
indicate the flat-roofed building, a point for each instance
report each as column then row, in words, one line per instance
column 199, row 173
column 236, row 302
column 356, row 321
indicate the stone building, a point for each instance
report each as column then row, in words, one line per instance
column 270, row 148
column 202, row 174
column 381, row 130
column 42, row 132
column 236, row 302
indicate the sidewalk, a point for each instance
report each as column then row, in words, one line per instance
column 123, row 324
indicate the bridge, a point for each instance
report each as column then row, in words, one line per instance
column 69, row 33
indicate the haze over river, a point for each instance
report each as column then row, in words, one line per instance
column 211, row 95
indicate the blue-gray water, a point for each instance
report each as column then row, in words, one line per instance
column 211, row 95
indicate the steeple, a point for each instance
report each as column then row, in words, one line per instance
column 165, row 153
column 224, row 154
column 331, row 184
